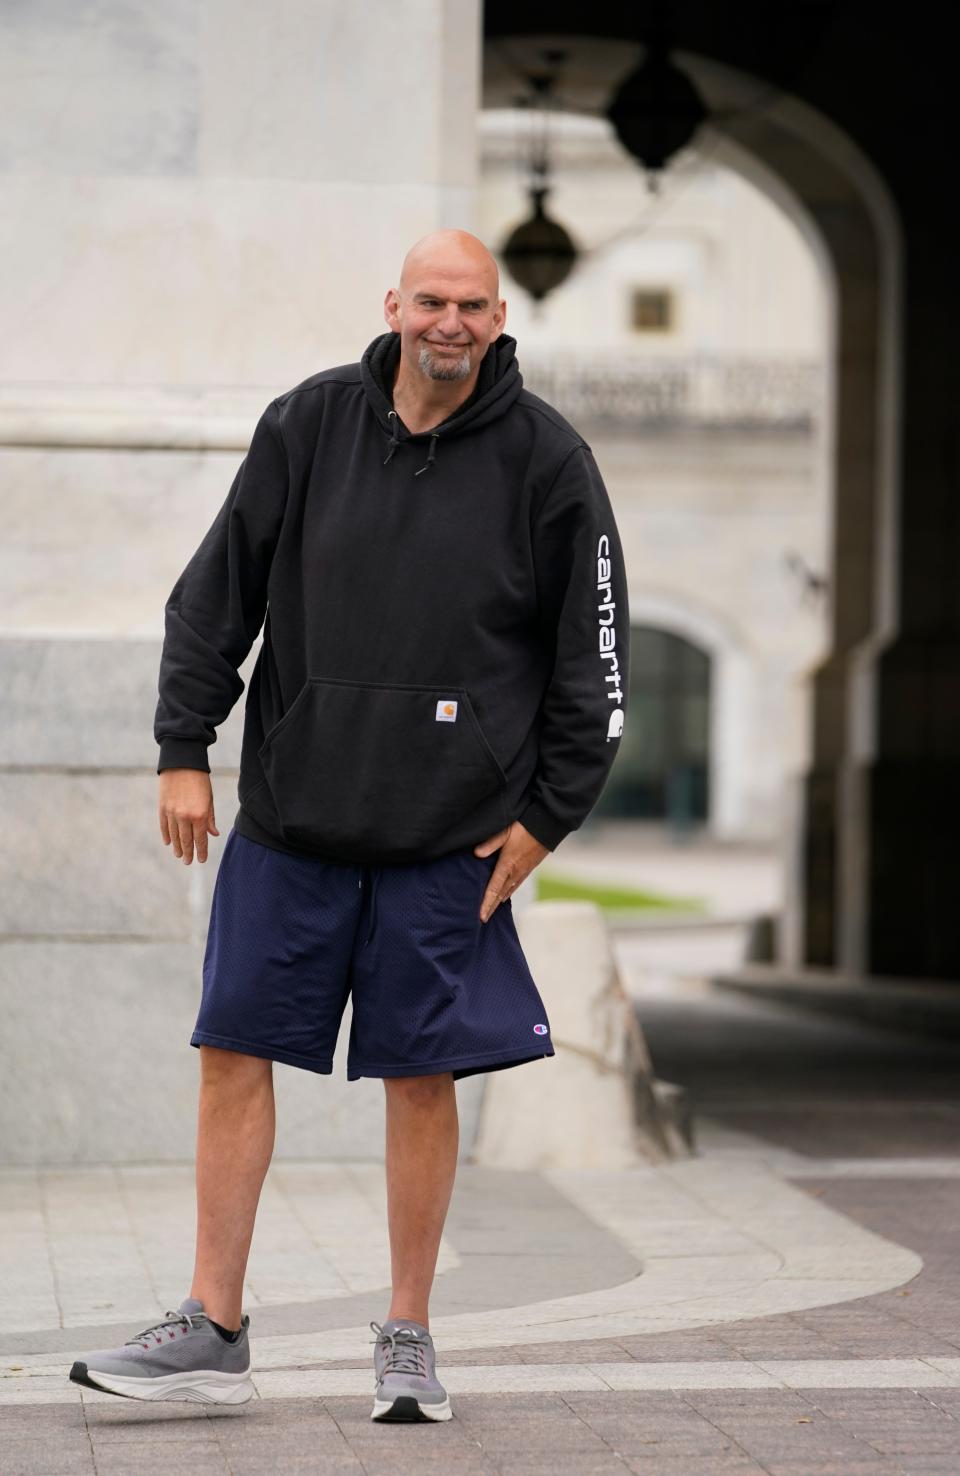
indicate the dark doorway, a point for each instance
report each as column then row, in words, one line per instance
column 662, row 769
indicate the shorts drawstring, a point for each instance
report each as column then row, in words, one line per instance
column 374, row 873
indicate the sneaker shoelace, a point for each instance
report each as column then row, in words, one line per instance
column 404, row 1351
column 170, row 1321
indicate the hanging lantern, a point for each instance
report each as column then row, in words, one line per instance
column 657, row 110
column 539, row 253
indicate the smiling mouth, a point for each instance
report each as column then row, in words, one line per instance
column 432, row 344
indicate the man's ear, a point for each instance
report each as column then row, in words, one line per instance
column 499, row 319
column 391, row 309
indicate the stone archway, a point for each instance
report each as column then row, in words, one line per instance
column 838, row 200
column 835, row 195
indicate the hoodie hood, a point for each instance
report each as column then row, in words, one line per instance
column 499, row 382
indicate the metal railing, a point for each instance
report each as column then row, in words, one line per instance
column 621, row 392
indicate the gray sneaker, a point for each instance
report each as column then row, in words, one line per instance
column 181, row 1357
column 405, row 1363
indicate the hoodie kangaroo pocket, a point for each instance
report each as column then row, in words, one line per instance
column 375, row 765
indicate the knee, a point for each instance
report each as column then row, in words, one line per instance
column 415, row 1091
column 233, row 1069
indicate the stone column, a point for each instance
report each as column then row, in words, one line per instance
column 211, row 201
column 901, row 789
column 876, row 871
column 785, row 156
column 856, row 374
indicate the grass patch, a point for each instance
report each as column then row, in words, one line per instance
column 610, row 898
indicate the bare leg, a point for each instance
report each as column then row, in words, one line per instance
column 423, row 1135
column 235, row 1137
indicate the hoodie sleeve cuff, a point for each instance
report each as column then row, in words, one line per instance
column 183, row 753
column 542, row 825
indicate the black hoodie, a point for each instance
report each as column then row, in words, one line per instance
column 445, row 621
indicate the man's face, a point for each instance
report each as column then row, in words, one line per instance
column 446, row 319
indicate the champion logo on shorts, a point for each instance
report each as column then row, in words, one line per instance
column 447, row 711
column 539, row 1029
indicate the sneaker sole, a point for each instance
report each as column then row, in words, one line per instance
column 205, row 1386
column 406, row 1409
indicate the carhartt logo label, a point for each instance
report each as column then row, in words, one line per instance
column 608, row 636
column 446, row 711
column 539, row 1029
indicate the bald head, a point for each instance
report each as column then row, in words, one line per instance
column 451, row 253
column 447, row 308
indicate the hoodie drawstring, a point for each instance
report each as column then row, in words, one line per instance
column 394, row 438
column 434, row 438
column 395, row 441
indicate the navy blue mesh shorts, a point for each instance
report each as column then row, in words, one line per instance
column 433, row 988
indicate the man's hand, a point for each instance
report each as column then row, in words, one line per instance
column 186, row 812
column 520, row 852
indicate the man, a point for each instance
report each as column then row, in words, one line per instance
column 431, row 554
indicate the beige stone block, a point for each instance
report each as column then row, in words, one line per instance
column 85, row 858
column 573, row 1110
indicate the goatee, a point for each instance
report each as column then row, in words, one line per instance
column 437, row 368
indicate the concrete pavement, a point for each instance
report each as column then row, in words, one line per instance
column 785, row 1302
column 708, row 1317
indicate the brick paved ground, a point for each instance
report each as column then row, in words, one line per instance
column 690, row 1433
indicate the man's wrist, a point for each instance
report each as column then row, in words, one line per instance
column 543, row 826
column 183, row 753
